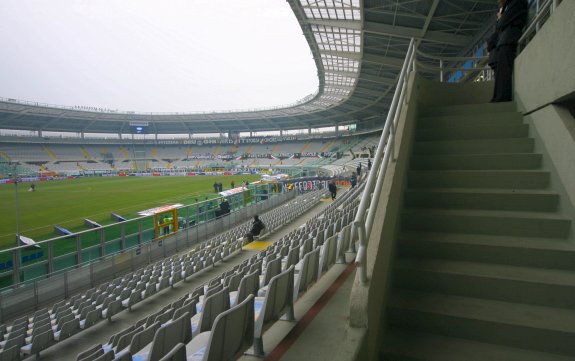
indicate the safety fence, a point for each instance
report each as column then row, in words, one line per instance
column 194, row 222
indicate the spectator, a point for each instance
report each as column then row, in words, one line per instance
column 221, row 187
column 353, row 179
column 216, row 187
column 224, row 208
column 369, row 164
column 358, row 169
column 165, row 222
column 510, row 26
column 332, row 189
column 232, row 184
column 257, row 227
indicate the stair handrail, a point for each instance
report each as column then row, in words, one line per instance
column 362, row 225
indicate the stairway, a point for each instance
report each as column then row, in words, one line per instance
column 485, row 268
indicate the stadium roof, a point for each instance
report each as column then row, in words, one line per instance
column 358, row 47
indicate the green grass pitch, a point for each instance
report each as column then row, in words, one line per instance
column 67, row 202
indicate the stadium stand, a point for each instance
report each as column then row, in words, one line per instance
column 82, row 311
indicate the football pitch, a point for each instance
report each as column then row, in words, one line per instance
column 67, row 202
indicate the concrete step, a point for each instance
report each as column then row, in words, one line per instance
column 504, row 223
column 512, row 251
column 476, row 161
column 402, row 345
column 473, row 132
column 488, row 199
column 473, row 119
column 537, row 328
column 480, row 146
column 502, row 179
column 482, row 108
column 527, row 285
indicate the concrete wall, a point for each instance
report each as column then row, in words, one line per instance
column 544, row 76
column 545, row 69
column 553, row 128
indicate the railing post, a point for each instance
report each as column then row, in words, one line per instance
column 361, row 257
column 441, row 70
column 537, row 9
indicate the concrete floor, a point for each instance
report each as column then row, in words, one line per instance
column 319, row 333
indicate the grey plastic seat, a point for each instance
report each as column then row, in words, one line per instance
column 10, row 354
column 39, row 342
column 68, row 329
column 178, row 353
column 113, row 308
column 308, row 273
column 143, row 338
column 213, row 306
column 91, row 319
column 343, row 241
column 328, row 254
column 131, row 300
column 165, row 339
column 273, row 268
column 278, row 301
column 248, row 285
column 232, row 333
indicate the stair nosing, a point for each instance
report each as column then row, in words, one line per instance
column 439, row 342
column 511, row 313
column 485, row 213
column 556, row 277
column 548, row 244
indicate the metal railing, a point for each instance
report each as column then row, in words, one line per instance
column 542, row 12
column 363, row 222
column 446, row 65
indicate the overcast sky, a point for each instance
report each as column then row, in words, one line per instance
column 154, row 55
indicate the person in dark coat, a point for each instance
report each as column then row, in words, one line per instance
column 509, row 29
column 257, row 227
column 494, row 38
column 332, row 189
column 224, row 208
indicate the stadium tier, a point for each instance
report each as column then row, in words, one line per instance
column 85, row 157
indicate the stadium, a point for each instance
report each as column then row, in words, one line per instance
column 129, row 235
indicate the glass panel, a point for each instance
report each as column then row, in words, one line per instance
column 34, row 271
column 90, row 254
column 64, row 262
column 113, row 247
column 90, row 238
column 148, row 229
column 131, row 232
column 64, row 245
